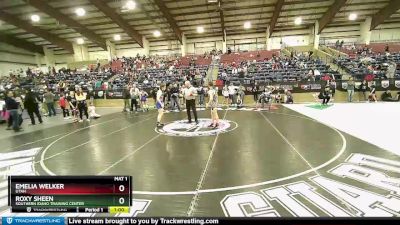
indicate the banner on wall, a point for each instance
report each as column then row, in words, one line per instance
column 357, row 84
column 344, row 85
column 397, row 83
column 385, row 84
column 99, row 94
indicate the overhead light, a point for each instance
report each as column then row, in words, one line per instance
column 247, row 25
column 157, row 33
column 80, row 12
column 130, row 5
column 200, row 29
column 35, row 18
column 352, row 16
column 298, row 21
column 80, row 41
column 117, row 37
column 212, row 1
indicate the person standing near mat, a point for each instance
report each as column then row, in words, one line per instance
column 80, row 97
column 160, row 104
column 49, row 100
column 190, row 94
column 12, row 107
column 32, row 105
column 350, row 89
column 134, row 97
column 213, row 104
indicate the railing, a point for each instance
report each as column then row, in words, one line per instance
column 294, row 87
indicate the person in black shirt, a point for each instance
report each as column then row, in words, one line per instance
column 387, row 97
column 12, row 106
column 372, row 93
column 325, row 95
column 255, row 90
column 126, row 95
column 174, row 91
column 32, row 106
column 73, row 105
column 363, row 89
column 289, row 97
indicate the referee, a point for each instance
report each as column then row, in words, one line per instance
column 190, row 94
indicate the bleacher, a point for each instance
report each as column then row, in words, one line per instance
column 149, row 74
column 376, row 48
column 380, row 62
column 84, row 79
column 262, row 71
column 197, row 59
column 251, row 55
column 358, row 60
column 156, row 76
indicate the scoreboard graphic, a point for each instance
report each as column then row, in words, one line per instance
column 79, row 194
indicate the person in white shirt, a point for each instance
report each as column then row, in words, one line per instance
column 231, row 91
column 213, row 104
column 223, row 75
column 234, row 70
column 190, row 93
column 92, row 112
column 317, row 74
column 160, row 104
column 135, row 94
column 225, row 93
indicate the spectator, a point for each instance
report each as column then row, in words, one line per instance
column 372, row 93
column 386, row 48
column 264, row 98
column 126, row 95
column 332, row 85
column 363, row 89
column 240, row 96
column 225, row 93
column 72, row 105
column 350, row 89
column 255, row 90
column 80, row 97
column 64, row 106
column 234, row 70
column 387, row 97
column 231, row 91
column 175, row 97
column 325, row 95
column 337, row 44
column 317, row 74
column 160, row 104
column 289, row 97
column 12, row 107
column 32, row 106
column 92, row 112
column 49, row 99
column 201, row 93
column 278, row 97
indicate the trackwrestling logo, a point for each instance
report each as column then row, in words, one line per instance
column 184, row 129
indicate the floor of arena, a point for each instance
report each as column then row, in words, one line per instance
column 289, row 161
